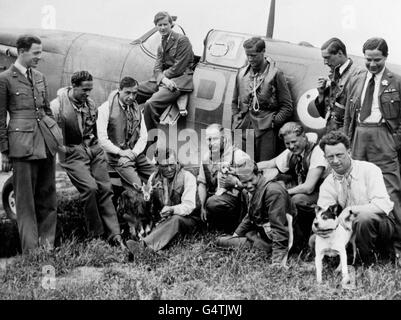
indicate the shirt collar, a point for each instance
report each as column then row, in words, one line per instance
column 378, row 76
column 353, row 173
column 20, row 67
column 344, row 66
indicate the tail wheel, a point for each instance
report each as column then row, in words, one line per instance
column 8, row 197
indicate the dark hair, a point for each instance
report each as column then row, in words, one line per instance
column 80, row 76
column 25, row 42
column 256, row 42
column 161, row 15
column 162, row 153
column 291, row 127
column 334, row 45
column 376, row 43
column 128, row 82
column 333, row 138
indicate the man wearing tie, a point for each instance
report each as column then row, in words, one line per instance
column 29, row 146
column 372, row 120
column 332, row 94
column 172, row 74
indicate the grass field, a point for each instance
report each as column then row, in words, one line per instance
column 192, row 268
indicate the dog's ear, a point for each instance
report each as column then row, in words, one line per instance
column 336, row 209
column 137, row 187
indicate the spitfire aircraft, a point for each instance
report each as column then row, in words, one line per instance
column 108, row 59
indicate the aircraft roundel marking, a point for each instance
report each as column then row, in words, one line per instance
column 307, row 112
column 220, row 83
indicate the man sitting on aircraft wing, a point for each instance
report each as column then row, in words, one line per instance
column 262, row 100
column 302, row 167
column 122, row 134
column 172, row 74
column 83, row 159
column 332, row 94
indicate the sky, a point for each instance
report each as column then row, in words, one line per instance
column 314, row 21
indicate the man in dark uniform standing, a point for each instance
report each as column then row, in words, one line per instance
column 29, row 145
column 332, row 94
column 372, row 121
column 261, row 101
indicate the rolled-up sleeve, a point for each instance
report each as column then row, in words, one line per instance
column 188, row 198
column 143, row 138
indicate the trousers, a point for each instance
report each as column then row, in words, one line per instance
column 224, row 211
column 376, row 144
column 302, row 206
column 36, row 202
column 167, row 230
column 87, row 170
column 134, row 171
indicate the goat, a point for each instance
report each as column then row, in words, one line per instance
column 140, row 207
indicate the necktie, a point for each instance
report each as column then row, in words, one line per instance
column 367, row 102
column 164, row 42
column 28, row 75
column 299, row 169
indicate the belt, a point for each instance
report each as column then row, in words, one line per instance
column 373, row 124
column 28, row 115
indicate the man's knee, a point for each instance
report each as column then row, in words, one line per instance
column 216, row 204
column 301, row 199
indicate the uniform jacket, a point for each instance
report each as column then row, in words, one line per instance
column 389, row 103
column 175, row 62
column 270, row 198
column 272, row 93
column 333, row 105
column 31, row 127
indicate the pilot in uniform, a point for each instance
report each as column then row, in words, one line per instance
column 172, row 74
column 84, row 159
column 262, row 100
column 372, row 121
column 123, row 135
column 332, row 95
column 30, row 141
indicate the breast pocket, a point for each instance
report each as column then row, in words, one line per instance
column 20, row 138
column 22, row 95
column 391, row 105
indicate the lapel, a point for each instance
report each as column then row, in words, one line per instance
column 21, row 78
column 170, row 41
column 386, row 79
column 360, row 84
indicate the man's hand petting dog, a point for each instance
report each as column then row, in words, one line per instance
column 344, row 217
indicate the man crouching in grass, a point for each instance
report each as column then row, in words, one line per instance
column 181, row 207
column 265, row 224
